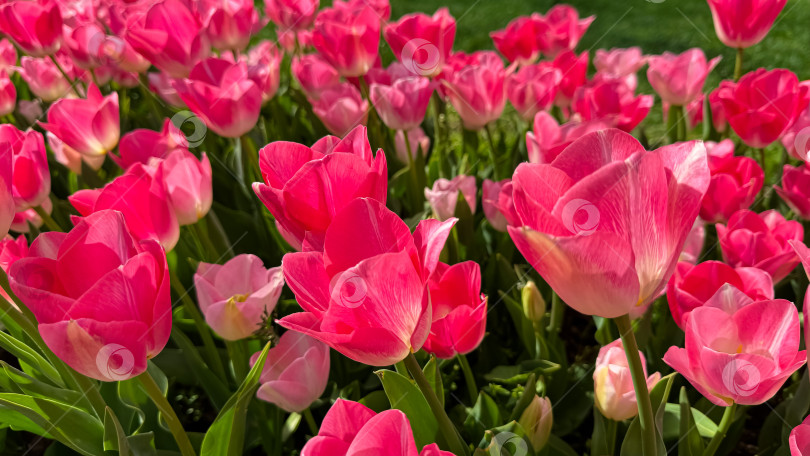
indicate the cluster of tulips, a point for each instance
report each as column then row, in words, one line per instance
column 356, row 301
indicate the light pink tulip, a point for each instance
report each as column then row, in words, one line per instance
column 292, row 14
column 229, row 24
column 742, row 24
column 348, row 38
column 188, row 185
column 419, row 144
column 73, row 284
column 517, row 42
column 264, row 61
column 70, row 157
column 403, row 103
column 613, row 102
column 537, row 420
column 799, row 440
column 533, row 88
column 422, row 43
column 795, row 190
column 613, row 384
column 84, row 44
column 489, row 200
column 36, row 26
column 296, row 372
column 44, row 78
column 314, row 74
column 590, row 197
column 478, row 91
column 694, row 243
column 735, row 183
column 341, row 108
column 679, row 78
column 549, row 138
column 8, row 94
column 443, row 197
column 560, row 30
column 622, row 64
column 237, row 296
column 8, row 54
column 366, row 295
column 29, row 178
column 141, row 145
column 381, row 7
column 90, row 126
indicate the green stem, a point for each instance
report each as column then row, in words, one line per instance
column 488, row 132
column 438, row 142
column 416, row 192
column 240, row 359
column 446, row 427
column 612, row 428
column 738, row 64
column 166, row 410
column 557, row 312
column 722, row 430
column 313, row 426
column 49, row 221
column 202, row 234
column 252, row 157
column 469, row 379
column 645, row 413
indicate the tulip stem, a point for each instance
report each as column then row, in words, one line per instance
column 488, row 133
column 645, row 413
column 557, row 312
column 202, row 235
column 313, row 426
column 175, row 426
column 469, row 379
column 438, row 140
column 611, row 428
column 65, row 75
column 722, row 430
column 238, row 352
column 416, row 191
column 49, row 221
column 738, row 65
column 446, row 427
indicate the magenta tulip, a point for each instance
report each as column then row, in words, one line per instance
column 549, row 138
column 489, row 200
column 533, row 88
column 71, row 158
column 421, row 42
column 478, row 91
column 341, row 108
column 560, row 30
column 263, row 62
column 575, row 70
column 402, row 104
column 348, row 38
column 314, row 74
column 612, row 101
column 694, row 243
column 141, row 145
column 799, row 440
column 742, row 24
column 292, row 14
column 518, row 41
column 613, row 384
column 8, row 94
column 29, row 179
column 795, row 190
column 796, row 139
column 188, row 185
column 679, row 78
column 622, row 64
column 735, row 183
column 443, row 197
column 36, row 26
column 90, row 125
column 44, row 78
column 229, row 24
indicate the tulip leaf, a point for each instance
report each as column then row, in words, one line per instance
column 19, row 422
column 507, row 440
column 226, row 435
column 31, row 386
column 603, row 439
column 115, row 439
column 434, row 377
column 522, row 324
column 216, row 391
column 704, row 425
column 631, row 446
column 483, row 415
column 32, row 358
column 690, row 442
column 405, row 396
column 557, row 447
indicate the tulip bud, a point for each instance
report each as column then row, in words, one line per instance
column 614, row 395
column 536, row 420
column 534, row 306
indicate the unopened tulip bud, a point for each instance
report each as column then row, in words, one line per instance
column 534, row 306
column 536, row 420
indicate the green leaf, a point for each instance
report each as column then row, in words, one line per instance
column 216, row 391
column 672, row 416
column 483, row 415
column 31, row 357
column 507, row 440
column 690, row 442
column 115, row 439
column 557, row 447
column 405, row 396
column 29, row 385
column 529, row 391
column 631, row 446
column 227, row 434
column 434, row 377
column 522, row 324
column 19, row 422
column 601, row 438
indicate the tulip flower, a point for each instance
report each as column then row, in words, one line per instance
column 735, row 183
column 422, row 43
column 84, row 45
column 679, row 78
column 8, row 94
column 549, row 138
column 170, row 36
column 443, row 197
column 381, row 7
column 36, row 26
column 263, row 62
column 305, row 188
column 229, row 24
column 795, row 190
column 237, row 297
column 799, row 440
column 622, row 64
column 27, row 218
column 574, row 69
column 348, row 38
column 517, row 42
column 28, row 179
column 796, row 138
column 613, row 384
column 459, row 310
column 44, row 78
column 489, row 200
column 694, row 243
column 536, row 420
column 418, row 141
column 403, row 103
column 71, row 158
column 163, row 85
column 590, row 197
column 366, row 295
column 743, row 24
column 141, row 145
column 741, row 357
column 296, row 372
column 341, row 108
column 478, row 91
column 73, row 284
column 291, row 14
column 762, row 105
column 141, row 197
column 613, row 102
column 533, row 88
column 188, row 185
column 8, row 54
column 314, row 74
column 560, row 30
column 694, row 285
column 804, row 255
column 223, row 95
column 12, row 250
column 90, row 126
column 761, row 241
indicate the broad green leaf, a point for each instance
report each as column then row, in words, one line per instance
column 603, row 439
column 483, row 415
column 404, row 395
column 33, row 387
column 216, row 391
column 31, row 357
column 631, row 446
column 115, row 439
column 705, row 426
column 690, row 442
column 507, row 440
column 19, row 422
column 434, row 377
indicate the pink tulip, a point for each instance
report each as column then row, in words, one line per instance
column 141, row 197
column 804, row 255
column 443, row 197
column 85, row 44
column 264, row 61
column 348, row 38
column 25, row 219
column 719, row 153
column 537, row 420
column 742, row 24
column 381, row 7
column 422, row 43
column 8, row 54
column 760, row 241
column 613, row 102
column 90, row 126
column 574, row 69
column 71, row 158
column 223, row 95
column 163, row 85
column 73, row 284
column 366, row 295
column 517, row 42
column 237, row 297
column 613, row 385
column 314, row 74
column 7, row 205
column 229, row 24
column 11, row 250
column 590, row 197
column 560, row 30
column 44, row 78
column 305, row 188
column 296, row 372
column 29, row 177
column 796, row 138
column 694, row 243
column 418, row 141
column 549, row 138
column 489, row 200
column 620, row 64
column 341, row 108
column 36, row 26
column 350, row 428
column 141, row 145
column 170, row 36
column 762, row 105
column 403, row 103
column 795, row 190
column 735, row 183
column 478, row 91
column 8, row 94
column 799, row 440
column 459, row 310
column 292, row 14
column 533, row 88
column 741, row 357
column 188, row 185
column 679, row 78
column 692, row 286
